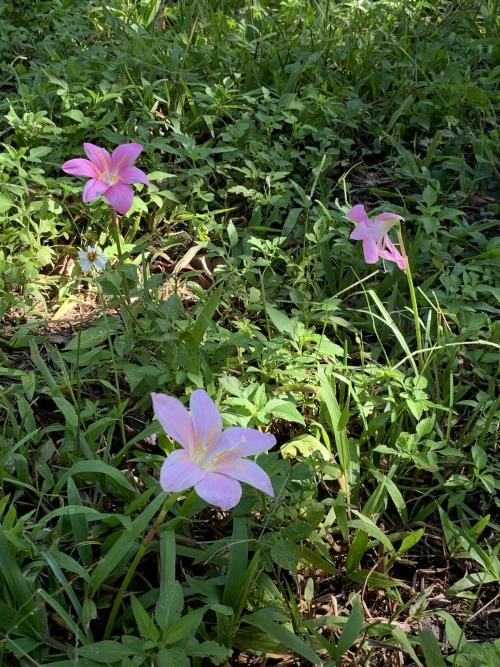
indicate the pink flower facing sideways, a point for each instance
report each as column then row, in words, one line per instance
column 375, row 236
column 110, row 175
column 211, row 460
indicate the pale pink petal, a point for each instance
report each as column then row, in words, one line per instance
column 93, row 189
column 392, row 254
column 98, row 156
column 388, row 217
column 174, row 419
column 125, row 156
column 402, row 263
column 241, row 442
column 247, row 471
column 360, row 232
column 358, row 214
column 370, row 251
column 206, row 418
column 219, row 490
column 120, row 196
column 133, row 175
column 80, row 167
column 178, row 472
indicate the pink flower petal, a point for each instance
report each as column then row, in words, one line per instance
column 98, row 156
column 391, row 253
column 358, row 214
column 124, row 156
column 388, row 217
column 219, row 490
column 93, row 189
column 80, row 167
column 120, row 196
column 370, row 251
column 174, row 419
column 206, row 418
column 178, row 472
column 360, row 232
column 249, row 472
column 133, row 175
column 244, row 442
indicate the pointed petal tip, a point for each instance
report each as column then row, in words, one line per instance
column 174, row 419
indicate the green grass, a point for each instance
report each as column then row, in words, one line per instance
column 262, row 122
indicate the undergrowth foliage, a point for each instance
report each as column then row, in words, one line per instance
column 367, row 534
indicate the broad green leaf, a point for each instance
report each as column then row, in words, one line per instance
column 376, row 579
column 238, row 561
column 410, row 540
column 145, row 623
column 5, row 203
column 405, row 644
column 79, row 525
column 356, row 551
column 385, row 317
column 122, row 547
column 281, row 321
column 352, row 629
column 93, row 336
column 264, row 620
column 171, row 598
column 431, row 649
column 90, row 469
column 173, row 657
column 106, row 652
column 204, row 317
column 285, row 410
column 372, row 529
column 348, row 456
column 185, row 626
column 23, row 597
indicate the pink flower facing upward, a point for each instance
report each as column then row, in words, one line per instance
column 375, row 236
column 211, row 460
column 110, row 175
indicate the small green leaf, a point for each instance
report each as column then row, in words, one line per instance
column 285, row 410
column 185, row 626
column 264, row 620
column 145, row 623
column 91, row 469
column 410, row 540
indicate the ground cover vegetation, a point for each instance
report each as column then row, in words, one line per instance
column 233, row 273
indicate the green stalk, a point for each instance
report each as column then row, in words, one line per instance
column 413, row 299
column 148, row 538
column 115, row 374
column 115, row 230
column 78, row 388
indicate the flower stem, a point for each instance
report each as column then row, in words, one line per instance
column 116, row 234
column 148, row 538
column 413, row 299
column 115, row 373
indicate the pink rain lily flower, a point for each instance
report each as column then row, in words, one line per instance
column 375, row 236
column 212, row 460
column 110, row 175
